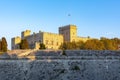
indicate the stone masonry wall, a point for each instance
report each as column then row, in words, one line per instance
column 62, row 69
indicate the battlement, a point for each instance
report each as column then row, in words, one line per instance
column 49, row 33
column 68, row 27
column 15, row 42
column 25, row 33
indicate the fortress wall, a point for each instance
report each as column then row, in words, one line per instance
column 66, row 68
column 52, row 40
column 60, row 70
column 76, row 53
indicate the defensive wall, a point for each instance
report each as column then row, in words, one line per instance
column 53, row 65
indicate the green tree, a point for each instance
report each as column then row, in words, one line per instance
column 0, row 45
column 115, row 43
column 63, row 46
column 64, row 53
column 108, row 43
column 24, row 44
column 42, row 46
column 94, row 44
column 72, row 45
column 80, row 45
column 4, row 44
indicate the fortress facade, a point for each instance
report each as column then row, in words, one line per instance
column 67, row 33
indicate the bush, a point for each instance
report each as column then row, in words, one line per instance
column 42, row 46
column 3, row 45
column 64, row 53
column 76, row 68
column 1, row 53
column 62, row 71
column 24, row 44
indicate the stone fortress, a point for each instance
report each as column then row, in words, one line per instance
column 46, row 64
column 67, row 33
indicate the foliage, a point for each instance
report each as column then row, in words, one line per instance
column 63, row 53
column 76, row 68
column 62, row 71
column 42, row 46
column 1, row 53
column 3, row 45
column 72, row 45
column 64, row 46
column 24, row 44
column 80, row 45
column 0, row 46
column 109, row 44
column 93, row 44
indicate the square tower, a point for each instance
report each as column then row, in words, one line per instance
column 25, row 34
column 69, row 32
column 15, row 43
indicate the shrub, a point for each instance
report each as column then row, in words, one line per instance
column 76, row 68
column 64, row 53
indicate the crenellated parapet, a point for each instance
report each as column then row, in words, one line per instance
column 25, row 33
column 15, row 42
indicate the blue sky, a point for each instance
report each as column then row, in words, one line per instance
column 94, row 18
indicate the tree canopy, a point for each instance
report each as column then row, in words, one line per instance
column 93, row 44
column 3, row 44
column 72, row 45
column 24, row 44
column 42, row 46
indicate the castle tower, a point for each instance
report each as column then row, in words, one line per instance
column 25, row 34
column 69, row 32
column 15, row 42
